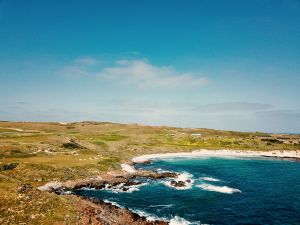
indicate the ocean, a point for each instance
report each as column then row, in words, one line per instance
column 227, row 190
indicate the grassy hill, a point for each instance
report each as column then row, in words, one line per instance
column 36, row 153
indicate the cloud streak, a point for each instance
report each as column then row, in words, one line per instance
column 137, row 72
column 145, row 75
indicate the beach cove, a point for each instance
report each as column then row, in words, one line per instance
column 199, row 175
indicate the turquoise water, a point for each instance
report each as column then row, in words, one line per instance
column 224, row 191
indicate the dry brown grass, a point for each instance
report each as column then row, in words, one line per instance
column 39, row 150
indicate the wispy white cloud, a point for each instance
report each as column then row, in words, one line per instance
column 138, row 72
column 145, row 75
column 79, row 67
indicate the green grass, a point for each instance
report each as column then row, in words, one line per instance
column 101, row 144
column 109, row 163
column 112, row 137
column 15, row 154
column 106, row 146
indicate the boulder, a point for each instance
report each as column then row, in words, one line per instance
column 177, row 183
column 8, row 166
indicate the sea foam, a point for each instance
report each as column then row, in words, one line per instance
column 181, row 221
column 113, row 203
column 120, row 188
column 210, row 179
column 174, row 221
column 149, row 217
column 184, row 177
column 221, row 189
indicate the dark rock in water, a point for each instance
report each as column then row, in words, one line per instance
column 100, row 186
column 177, row 183
column 125, row 180
column 147, row 162
column 130, row 183
column 154, row 175
column 96, row 211
column 125, row 189
column 166, row 175
column 188, row 181
column 8, row 166
column 59, row 191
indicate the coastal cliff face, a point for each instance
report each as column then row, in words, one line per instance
column 99, row 212
column 88, row 211
column 96, row 211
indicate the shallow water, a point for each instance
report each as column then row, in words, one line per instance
column 222, row 191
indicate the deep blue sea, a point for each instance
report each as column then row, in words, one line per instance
column 222, row 191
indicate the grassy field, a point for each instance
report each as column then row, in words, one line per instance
column 43, row 152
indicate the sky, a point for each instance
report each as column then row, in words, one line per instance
column 232, row 65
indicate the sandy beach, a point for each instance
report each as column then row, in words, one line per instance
column 220, row 153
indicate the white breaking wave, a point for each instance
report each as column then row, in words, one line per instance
column 121, row 188
column 162, row 206
column 113, row 203
column 88, row 189
column 184, row 177
column 210, row 179
column 149, row 217
column 181, row 221
column 66, row 192
column 221, row 189
column 174, row 221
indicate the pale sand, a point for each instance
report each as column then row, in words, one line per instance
column 128, row 168
column 220, row 153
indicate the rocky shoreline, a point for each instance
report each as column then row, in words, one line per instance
column 96, row 211
column 108, row 180
column 99, row 212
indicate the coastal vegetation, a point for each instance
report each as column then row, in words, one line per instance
column 32, row 154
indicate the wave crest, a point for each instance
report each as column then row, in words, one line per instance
column 210, row 179
column 181, row 221
column 182, row 177
column 221, row 189
column 121, row 188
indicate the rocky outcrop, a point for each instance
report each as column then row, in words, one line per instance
column 72, row 144
column 177, row 183
column 95, row 211
column 8, row 166
column 113, row 180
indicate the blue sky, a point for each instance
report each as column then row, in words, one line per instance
column 204, row 63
